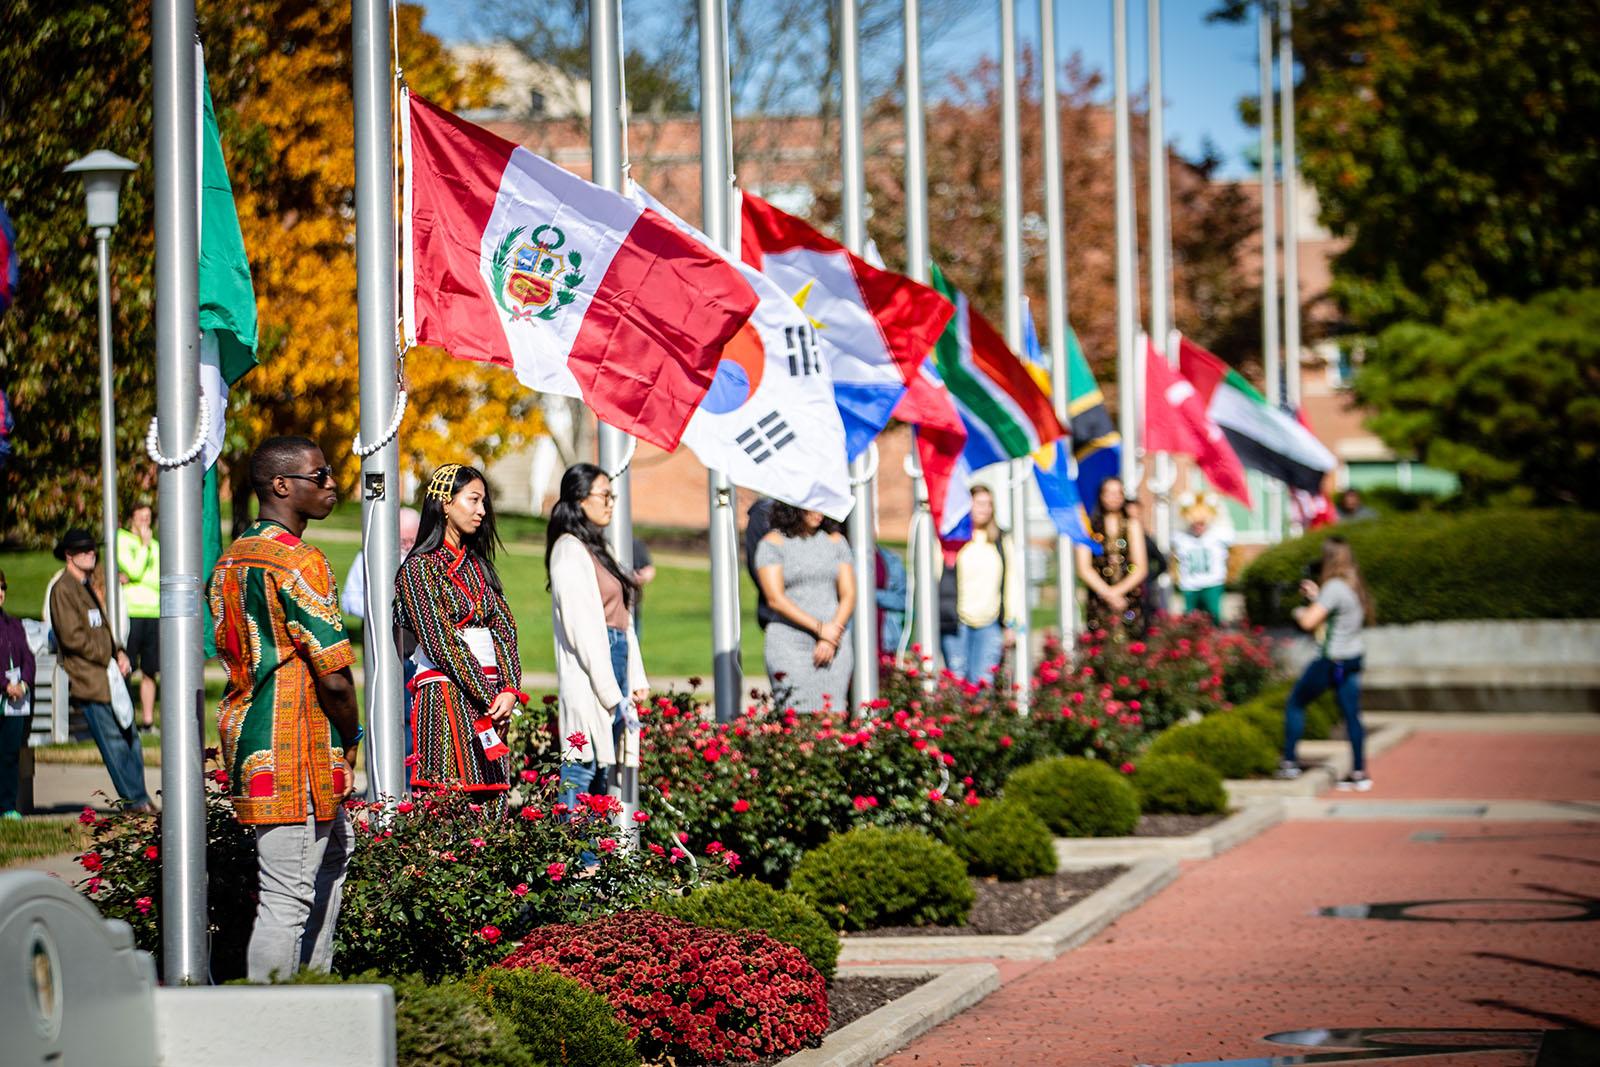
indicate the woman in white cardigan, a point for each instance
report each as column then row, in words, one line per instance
column 599, row 671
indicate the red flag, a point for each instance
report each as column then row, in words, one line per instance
column 1175, row 420
column 509, row 259
column 940, row 434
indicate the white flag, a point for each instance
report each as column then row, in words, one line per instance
column 769, row 421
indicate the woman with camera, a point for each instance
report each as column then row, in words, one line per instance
column 1339, row 607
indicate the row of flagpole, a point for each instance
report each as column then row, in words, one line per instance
column 185, row 951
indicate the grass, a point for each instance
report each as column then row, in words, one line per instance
column 33, row 839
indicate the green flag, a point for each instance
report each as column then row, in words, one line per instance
column 227, row 317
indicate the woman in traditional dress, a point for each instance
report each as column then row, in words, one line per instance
column 599, row 671
column 1116, row 576
column 805, row 574
column 449, row 605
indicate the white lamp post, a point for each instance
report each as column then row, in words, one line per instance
column 102, row 174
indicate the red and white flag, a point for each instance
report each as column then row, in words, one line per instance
column 509, row 259
column 1175, row 420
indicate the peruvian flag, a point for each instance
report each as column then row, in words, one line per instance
column 1175, row 420
column 509, row 259
column 875, row 327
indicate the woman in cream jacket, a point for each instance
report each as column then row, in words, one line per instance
column 599, row 671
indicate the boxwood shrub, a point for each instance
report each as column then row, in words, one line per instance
column 557, row 1020
column 1227, row 743
column 1265, row 713
column 873, row 877
column 1003, row 839
column 1433, row 566
column 1179, row 785
column 1077, row 797
column 745, row 904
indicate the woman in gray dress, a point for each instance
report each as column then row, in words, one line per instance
column 804, row 572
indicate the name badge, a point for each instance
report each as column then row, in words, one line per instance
column 96, row 620
column 13, row 675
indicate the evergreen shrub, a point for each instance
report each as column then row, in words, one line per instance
column 745, row 904
column 1077, row 797
column 1179, row 785
column 557, row 1020
column 873, row 876
column 1227, row 743
column 1002, row 839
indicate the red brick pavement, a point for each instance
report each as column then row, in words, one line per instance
column 1437, row 765
column 1234, row 950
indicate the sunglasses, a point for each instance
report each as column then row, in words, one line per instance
column 322, row 476
column 610, row 498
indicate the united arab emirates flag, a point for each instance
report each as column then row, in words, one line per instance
column 1265, row 438
column 227, row 317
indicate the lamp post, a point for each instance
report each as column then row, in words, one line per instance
column 102, row 173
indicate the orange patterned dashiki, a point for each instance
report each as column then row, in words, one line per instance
column 278, row 628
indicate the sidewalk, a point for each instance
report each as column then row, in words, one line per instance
column 1236, row 950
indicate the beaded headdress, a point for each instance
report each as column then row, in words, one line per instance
column 442, row 486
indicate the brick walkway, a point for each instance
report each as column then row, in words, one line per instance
column 1235, row 950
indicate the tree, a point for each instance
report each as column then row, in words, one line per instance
column 1507, row 395
column 1456, row 146
column 79, row 77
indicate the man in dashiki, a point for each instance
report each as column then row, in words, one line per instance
column 288, row 721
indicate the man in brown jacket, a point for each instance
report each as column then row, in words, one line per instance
column 87, row 646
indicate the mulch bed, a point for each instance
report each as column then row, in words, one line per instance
column 853, row 998
column 1013, row 907
column 1175, row 825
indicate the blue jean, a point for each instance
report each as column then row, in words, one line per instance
column 120, row 750
column 973, row 652
column 581, row 777
column 1343, row 676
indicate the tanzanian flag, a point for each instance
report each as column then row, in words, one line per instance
column 1096, row 445
column 1054, row 470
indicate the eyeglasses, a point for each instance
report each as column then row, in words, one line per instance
column 608, row 497
column 322, row 476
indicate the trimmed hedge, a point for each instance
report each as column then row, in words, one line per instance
column 1002, row 839
column 745, row 904
column 1434, row 566
column 1077, row 797
column 1265, row 713
column 558, row 1021
column 1179, row 785
column 1227, row 743
column 874, row 877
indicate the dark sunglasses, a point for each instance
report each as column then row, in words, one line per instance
column 322, row 476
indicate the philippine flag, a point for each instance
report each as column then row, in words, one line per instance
column 509, row 259
column 875, row 327
column 769, row 422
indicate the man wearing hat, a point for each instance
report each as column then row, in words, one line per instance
column 87, row 647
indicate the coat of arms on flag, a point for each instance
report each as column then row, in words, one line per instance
column 534, row 272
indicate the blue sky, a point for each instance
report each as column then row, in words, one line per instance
column 1207, row 67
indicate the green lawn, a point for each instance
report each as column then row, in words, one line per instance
column 33, row 839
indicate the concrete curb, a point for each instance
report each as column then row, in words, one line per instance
column 1333, row 763
column 898, row 1023
column 1044, row 942
column 1236, row 829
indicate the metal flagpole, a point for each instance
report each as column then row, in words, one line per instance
column 1127, row 267
column 1011, row 203
column 863, row 538
column 108, row 438
column 1056, row 238
column 1291, row 209
column 925, row 612
column 721, row 225
column 1160, row 280
column 1270, row 359
column 184, row 945
column 605, row 138
column 376, row 317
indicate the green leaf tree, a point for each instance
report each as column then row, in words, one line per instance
column 1506, row 394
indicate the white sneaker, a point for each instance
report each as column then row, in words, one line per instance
column 1287, row 771
column 1355, row 782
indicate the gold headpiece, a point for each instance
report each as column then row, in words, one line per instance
column 442, row 486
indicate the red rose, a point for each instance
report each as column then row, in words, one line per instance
column 90, row 861
column 555, row 871
column 607, row 844
column 490, row 934
column 577, row 740
column 971, row 800
column 144, row 904
column 740, row 806
column 641, row 817
column 405, row 807
column 1006, row 742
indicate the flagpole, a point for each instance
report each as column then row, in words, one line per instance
column 1127, row 267
column 605, row 139
column 1291, row 209
column 1056, row 243
column 1011, row 204
column 1160, row 283
column 925, row 612
column 185, row 950
column 720, row 224
column 1270, row 359
column 373, row 81
column 863, row 538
